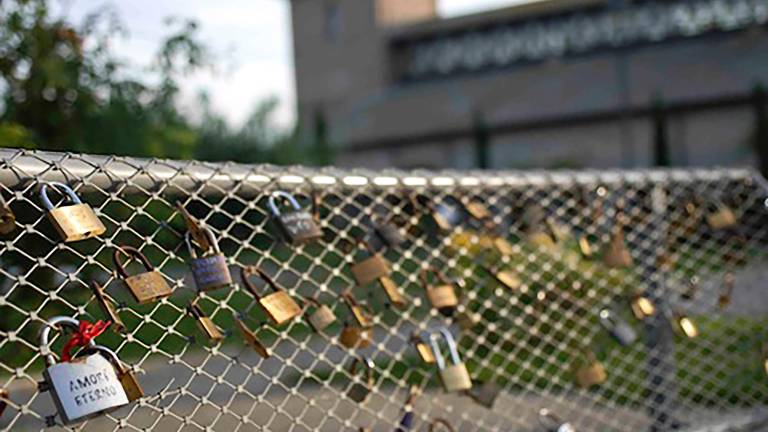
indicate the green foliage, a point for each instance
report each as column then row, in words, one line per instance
column 62, row 89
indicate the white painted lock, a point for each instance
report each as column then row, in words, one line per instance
column 82, row 388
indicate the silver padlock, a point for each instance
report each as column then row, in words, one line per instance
column 83, row 388
column 298, row 225
column 455, row 377
column 618, row 328
column 210, row 271
column 552, row 423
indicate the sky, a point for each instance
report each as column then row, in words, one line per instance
column 250, row 39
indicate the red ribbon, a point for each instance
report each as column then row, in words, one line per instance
column 83, row 337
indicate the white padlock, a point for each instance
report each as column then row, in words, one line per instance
column 82, row 388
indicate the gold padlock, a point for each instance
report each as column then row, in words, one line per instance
column 505, row 277
column 7, row 218
column 197, row 231
column 205, row 323
column 684, row 325
column 721, row 217
column 280, row 306
column 73, row 222
column 107, row 308
column 590, row 372
column 642, row 307
column 356, row 337
column 617, row 255
column 360, row 313
column 536, row 232
column 251, row 339
column 424, row 351
column 146, row 287
column 503, row 245
column 455, row 377
column 443, row 296
column 559, row 231
column 477, row 210
column 375, row 268
column 585, row 247
column 724, row 299
column 321, row 317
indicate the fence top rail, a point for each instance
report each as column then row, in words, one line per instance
column 104, row 171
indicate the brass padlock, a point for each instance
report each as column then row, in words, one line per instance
column 356, row 337
column 361, row 389
column 559, row 231
column 107, row 308
column 7, row 218
column 279, row 305
column 621, row 331
column 684, row 325
column 585, row 247
column 438, row 423
column 505, row 277
column 617, row 255
column 590, row 372
column 536, row 232
column 443, row 296
column 205, row 323
column 197, row 230
column 251, row 339
column 440, row 214
column 765, row 358
column 642, row 307
column 360, row 313
column 210, row 271
column 424, row 351
column 321, row 317
column 298, row 225
column 125, row 375
column 503, row 246
column 720, row 217
column 552, row 423
column 486, row 394
column 375, row 268
column 73, row 222
column 477, row 210
column 146, row 287
column 455, row 377
column 724, row 299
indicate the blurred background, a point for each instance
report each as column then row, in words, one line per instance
column 391, row 83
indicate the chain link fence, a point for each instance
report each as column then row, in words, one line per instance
column 535, row 275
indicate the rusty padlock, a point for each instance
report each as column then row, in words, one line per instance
column 375, row 268
column 7, row 218
column 107, row 308
column 73, row 222
column 146, row 287
column 361, row 389
column 210, row 271
column 616, row 254
column 205, row 323
column 279, row 305
column 321, row 317
column 424, row 351
column 443, row 296
column 251, row 339
column 589, row 371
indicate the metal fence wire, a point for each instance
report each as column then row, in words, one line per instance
column 557, row 250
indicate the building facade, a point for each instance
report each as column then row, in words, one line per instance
column 578, row 83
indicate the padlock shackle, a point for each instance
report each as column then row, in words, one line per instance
column 424, row 276
column 247, row 272
column 284, row 196
column 45, row 334
column 351, row 302
column 440, row 422
column 367, row 364
column 211, row 239
column 111, row 356
column 131, row 252
column 57, row 186
column 453, row 350
column 194, row 309
column 548, row 420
